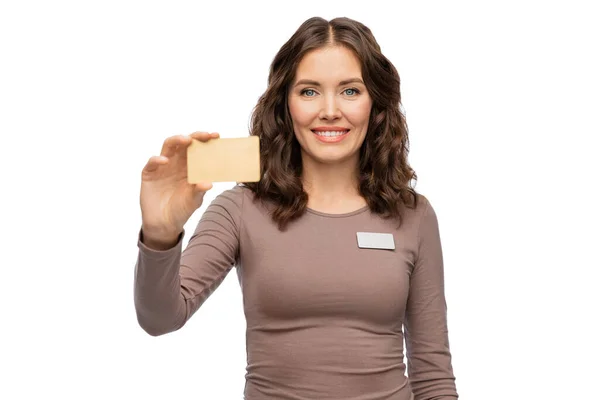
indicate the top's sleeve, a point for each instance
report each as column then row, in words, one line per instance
column 170, row 285
column 426, row 331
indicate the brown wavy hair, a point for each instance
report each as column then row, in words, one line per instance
column 385, row 175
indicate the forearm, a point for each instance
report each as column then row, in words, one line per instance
column 440, row 388
column 429, row 360
column 159, row 304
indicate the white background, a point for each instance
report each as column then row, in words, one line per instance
column 502, row 103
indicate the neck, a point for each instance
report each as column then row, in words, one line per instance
column 332, row 187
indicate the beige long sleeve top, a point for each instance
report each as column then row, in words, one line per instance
column 326, row 319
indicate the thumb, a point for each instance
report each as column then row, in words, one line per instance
column 202, row 187
column 199, row 190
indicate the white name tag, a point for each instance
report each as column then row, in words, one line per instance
column 372, row 240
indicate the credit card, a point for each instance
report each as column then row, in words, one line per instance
column 224, row 160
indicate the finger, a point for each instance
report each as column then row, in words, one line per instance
column 154, row 162
column 204, row 136
column 200, row 190
column 202, row 187
column 173, row 144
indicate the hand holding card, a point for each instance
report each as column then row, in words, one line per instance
column 167, row 199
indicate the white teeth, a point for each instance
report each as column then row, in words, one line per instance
column 331, row 133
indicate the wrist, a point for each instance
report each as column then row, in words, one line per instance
column 159, row 240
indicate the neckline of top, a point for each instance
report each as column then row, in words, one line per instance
column 342, row 215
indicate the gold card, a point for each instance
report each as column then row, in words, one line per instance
column 224, row 160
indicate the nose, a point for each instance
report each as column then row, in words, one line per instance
column 330, row 109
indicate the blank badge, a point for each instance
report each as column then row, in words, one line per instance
column 373, row 240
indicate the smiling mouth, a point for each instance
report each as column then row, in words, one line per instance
column 331, row 133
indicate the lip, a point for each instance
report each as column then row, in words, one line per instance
column 329, row 129
column 330, row 139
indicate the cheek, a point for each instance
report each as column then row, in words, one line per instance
column 298, row 112
column 302, row 113
column 358, row 113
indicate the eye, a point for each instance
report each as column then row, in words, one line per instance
column 308, row 92
column 351, row 91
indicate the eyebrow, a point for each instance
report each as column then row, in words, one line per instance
column 315, row 83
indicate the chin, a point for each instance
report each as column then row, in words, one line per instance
column 330, row 157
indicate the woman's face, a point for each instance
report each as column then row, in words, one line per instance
column 329, row 105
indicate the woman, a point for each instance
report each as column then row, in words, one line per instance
column 325, row 300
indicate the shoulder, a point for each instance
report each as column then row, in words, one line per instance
column 240, row 206
column 234, row 194
column 419, row 213
column 237, row 199
column 231, row 200
column 423, row 204
column 426, row 216
column 417, row 207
